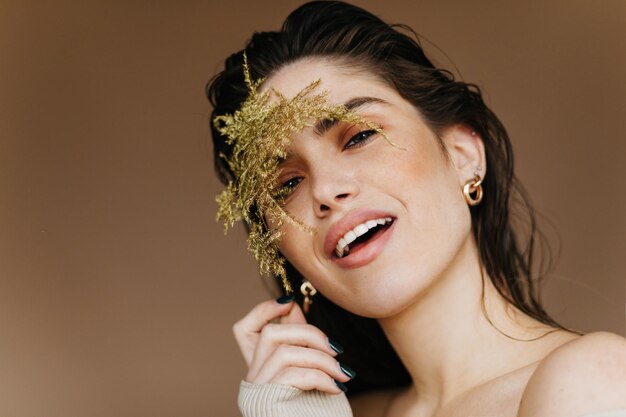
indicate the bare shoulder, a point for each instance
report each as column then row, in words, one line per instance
column 585, row 375
column 373, row 403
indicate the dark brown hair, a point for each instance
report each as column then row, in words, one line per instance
column 333, row 29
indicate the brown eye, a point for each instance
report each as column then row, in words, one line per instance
column 360, row 138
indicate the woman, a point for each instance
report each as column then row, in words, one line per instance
column 381, row 187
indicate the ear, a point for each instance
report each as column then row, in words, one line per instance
column 466, row 151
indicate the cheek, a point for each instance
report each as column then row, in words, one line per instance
column 297, row 246
column 299, row 249
column 438, row 220
column 422, row 175
column 435, row 200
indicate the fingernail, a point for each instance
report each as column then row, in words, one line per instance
column 285, row 299
column 341, row 386
column 334, row 345
column 347, row 370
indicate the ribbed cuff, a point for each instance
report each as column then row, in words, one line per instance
column 277, row 400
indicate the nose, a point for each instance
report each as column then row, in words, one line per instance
column 332, row 189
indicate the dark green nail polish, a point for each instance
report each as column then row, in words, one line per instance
column 347, row 370
column 285, row 299
column 334, row 345
column 341, row 386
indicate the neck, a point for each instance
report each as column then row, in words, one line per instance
column 447, row 343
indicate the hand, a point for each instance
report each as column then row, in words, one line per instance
column 280, row 347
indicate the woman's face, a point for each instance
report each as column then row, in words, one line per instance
column 347, row 179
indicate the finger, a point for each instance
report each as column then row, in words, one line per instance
column 274, row 335
column 295, row 315
column 309, row 379
column 247, row 329
column 287, row 356
column 262, row 314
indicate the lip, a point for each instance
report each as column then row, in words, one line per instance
column 349, row 222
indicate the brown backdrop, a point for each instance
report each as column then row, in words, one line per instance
column 117, row 288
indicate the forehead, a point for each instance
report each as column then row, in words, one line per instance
column 337, row 79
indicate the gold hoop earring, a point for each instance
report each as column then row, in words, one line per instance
column 473, row 186
column 308, row 290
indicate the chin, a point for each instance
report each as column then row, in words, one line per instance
column 381, row 311
column 378, row 307
column 379, row 298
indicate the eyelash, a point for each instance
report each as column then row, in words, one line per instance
column 356, row 141
column 360, row 138
column 287, row 185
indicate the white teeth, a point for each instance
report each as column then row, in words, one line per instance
column 350, row 237
column 342, row 247
column 361, row 229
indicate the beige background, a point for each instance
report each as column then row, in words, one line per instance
column 117, row 288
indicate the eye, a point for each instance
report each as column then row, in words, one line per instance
column 360, row 139
column 287, row 187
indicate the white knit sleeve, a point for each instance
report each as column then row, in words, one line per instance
column 277, row 400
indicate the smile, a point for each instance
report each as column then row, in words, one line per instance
column 360, row 235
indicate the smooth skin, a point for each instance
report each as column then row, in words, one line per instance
column 424, row 285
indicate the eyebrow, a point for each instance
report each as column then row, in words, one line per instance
column 324, row 125
column 355, row 103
